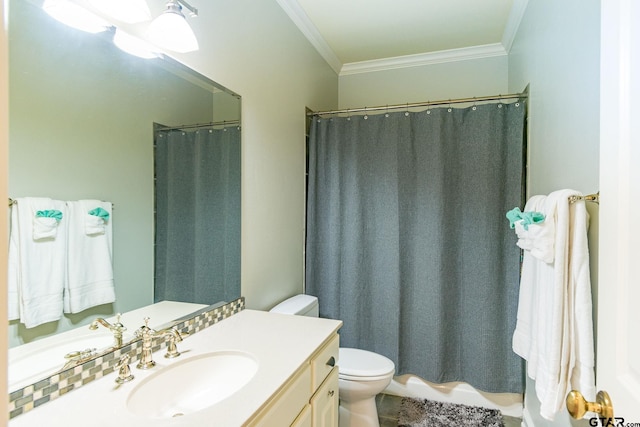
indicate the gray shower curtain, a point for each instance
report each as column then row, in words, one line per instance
column 407, row 240
column 197, row 253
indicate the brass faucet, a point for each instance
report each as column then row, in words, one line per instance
column 117, row 329
column 147, row 334
column 124, row 373
column 173, row 336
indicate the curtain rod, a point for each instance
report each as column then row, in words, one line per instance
column 201, row 125
column 421, row 104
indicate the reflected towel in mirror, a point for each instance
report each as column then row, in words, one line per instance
column 89, row 265
column 45, row 223
column 37, row 256
column 95, row 219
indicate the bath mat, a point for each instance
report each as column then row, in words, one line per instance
column 428, row 413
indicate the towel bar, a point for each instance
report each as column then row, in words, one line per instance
column 15, row 202
column 595, row 198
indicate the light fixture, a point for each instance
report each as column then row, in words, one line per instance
column 171, row 30
column 134, row 45
column 127, row 11
column 75, row 16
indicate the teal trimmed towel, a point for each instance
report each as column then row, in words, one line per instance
column 50, row 213
column 527, row 218
column 100, row 213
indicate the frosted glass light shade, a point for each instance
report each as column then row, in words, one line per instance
column 128, row 11
column 171, row 31
column 75, row 16
column 134, row 45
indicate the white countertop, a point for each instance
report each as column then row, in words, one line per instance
column 280, row 344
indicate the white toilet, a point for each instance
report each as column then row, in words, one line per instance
column 361, row 374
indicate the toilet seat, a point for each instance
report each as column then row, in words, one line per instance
column 362, row 365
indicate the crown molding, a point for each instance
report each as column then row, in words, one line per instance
column 513, row 23
column 439, row 57
column 295, row 12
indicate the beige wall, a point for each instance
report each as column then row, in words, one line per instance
column 254, row 49
column 460, row 79
column 556, row 51
column 4, row 223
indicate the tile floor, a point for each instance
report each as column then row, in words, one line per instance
column 388, row 406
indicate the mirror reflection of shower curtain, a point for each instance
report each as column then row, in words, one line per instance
column 197, row 192
column 407, row 240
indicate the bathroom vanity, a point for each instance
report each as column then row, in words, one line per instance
column 252, row 369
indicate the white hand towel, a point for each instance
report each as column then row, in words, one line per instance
column 94, row 225
column 89, row 264
column 44, row 228
column 554, row 328
column 36, row 266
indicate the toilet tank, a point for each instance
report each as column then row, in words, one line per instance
column 301, row 305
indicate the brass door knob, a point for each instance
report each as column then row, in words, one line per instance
column 578, row 406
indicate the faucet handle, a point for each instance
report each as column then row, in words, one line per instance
column 145, row 330
column 80, row 355
column 75, row 358
column 173, row 336
column 119, row 326
column 124, row 373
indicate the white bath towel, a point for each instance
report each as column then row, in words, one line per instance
column 554, row 329
column 89, row 263
column 36, row 265
column 537, row 238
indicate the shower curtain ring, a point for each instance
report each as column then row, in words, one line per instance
column 474, row 104
column 406, row 114
column 386, row 114
column 365, row 113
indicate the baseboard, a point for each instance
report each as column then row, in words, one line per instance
column 527, row 421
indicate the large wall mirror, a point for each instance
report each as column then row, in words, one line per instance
column 83, row 118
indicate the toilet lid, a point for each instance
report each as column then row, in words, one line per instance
column 355, row 362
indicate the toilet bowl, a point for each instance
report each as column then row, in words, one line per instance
column 362, row 374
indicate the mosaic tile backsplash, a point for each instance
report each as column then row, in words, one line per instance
column 61, row 383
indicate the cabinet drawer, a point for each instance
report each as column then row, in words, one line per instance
column 324, row 361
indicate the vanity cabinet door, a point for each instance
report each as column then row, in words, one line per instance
column 324, row 403
column 304, row 418
column 286, row 406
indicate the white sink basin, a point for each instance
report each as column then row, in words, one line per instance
column 192, row 384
